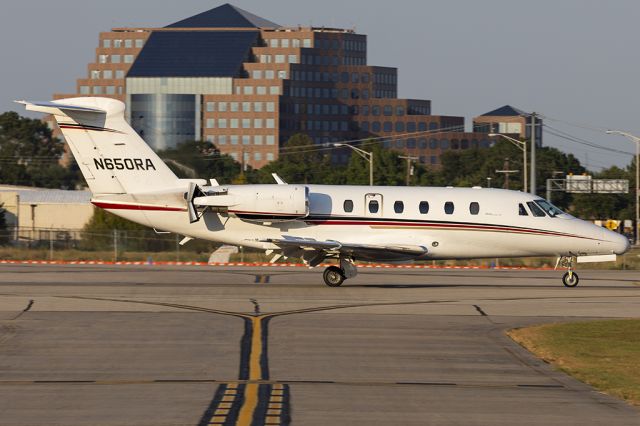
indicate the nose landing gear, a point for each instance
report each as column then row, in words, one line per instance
column 570, row 278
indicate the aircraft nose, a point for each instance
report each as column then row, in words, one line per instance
column 620, row 243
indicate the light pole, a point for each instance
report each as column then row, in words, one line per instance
column 362, row 153
column 635, row 139
column 523, row 147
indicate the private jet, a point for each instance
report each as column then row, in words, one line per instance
column 318, row 222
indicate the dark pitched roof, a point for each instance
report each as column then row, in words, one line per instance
column 505, row 111
column 193, row 54
column 225, row 16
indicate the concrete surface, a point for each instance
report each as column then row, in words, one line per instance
column 143, row 345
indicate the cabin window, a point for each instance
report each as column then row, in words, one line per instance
column 348, row 206
column 537, row 211
column 424, row 207
column 398, row 207
column 474, row 208
column 551, row 210
column 522, row 211
column 373, row 206
column 448, row 207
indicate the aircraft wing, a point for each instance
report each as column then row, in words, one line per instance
column 314, row 252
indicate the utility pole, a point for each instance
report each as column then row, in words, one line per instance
column 532, row 178
column 409, row 159
column 506, row 171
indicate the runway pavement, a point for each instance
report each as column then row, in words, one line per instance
column 152, row 345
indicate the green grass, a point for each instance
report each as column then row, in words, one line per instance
column 604, row 354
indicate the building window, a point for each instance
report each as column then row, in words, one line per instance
column 375, row 126
column 257, row 107
column 211, row 106
column 110, row 90
column 279, row 59
column 474, row 208
column 95, row 74
column 399, row 111
column 282, row 75
column 274, row 90
column 97, row 90
column 306, row 42
column 261, row 90
column 115, row 59
column 128, row 44
column 273, row 42
column 222, row 123
column 233, row 123
column 234, row 139
column 375, row 110
column 103, row 59
column 128, row 59
column 423, row 207
column 295, row 42
column 388, row 110
column 388, row 126
column 271, row 140
column 347, row 206
column 444, row 144
column 257, row 140
column 293, row 59
column 398, row 207
column 248, row 90
column 139, row 43
column 270, row 123
column 399, row 126
column 411, row 126
column 210, row 123
column 106, row 43
column 269, row 74
column 265, row 59
column 246, row 140
column 117, row 43
column 246, row 123
column 257, row 156
column 84, row 90
column 234, row 106
column 448, row 207
column 257, row 123
column 222, row 140
column 119, row 74
column 222, row 106
column 270, row 107
column 107, row 74
column 256, row 74
column 270, row 156
column 234, row 155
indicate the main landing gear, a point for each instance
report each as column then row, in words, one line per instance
column 334, row 276
column 570, row 278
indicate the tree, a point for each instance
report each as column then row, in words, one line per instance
column 4, row 230
column 204, row 159
column 29, row 154
column 301, row 161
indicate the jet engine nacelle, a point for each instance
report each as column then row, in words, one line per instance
column 258, row 203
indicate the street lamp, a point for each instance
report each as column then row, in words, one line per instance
column 523, row 147
column 635, row 139
column 362, row 153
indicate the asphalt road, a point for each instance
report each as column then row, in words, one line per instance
column 152, row 345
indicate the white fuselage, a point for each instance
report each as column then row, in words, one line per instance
column 498, row 229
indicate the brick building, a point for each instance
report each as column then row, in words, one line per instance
column 510, row 121
column 248, row 84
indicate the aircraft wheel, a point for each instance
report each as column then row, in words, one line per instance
column 333, row 276
column 570, row 280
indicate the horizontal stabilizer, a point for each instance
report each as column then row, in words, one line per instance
column 57, row 109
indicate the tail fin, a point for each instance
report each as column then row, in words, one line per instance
column 112, row 157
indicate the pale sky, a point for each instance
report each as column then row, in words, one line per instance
column 576, row 61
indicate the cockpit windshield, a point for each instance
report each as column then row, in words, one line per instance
column 549, row 208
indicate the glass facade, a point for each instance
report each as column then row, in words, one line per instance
column 164, row 121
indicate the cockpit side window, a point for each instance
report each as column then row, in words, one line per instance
column 522, row 211
column 537, row 211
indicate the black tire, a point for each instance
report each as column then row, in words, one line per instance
column 333, row 276
column 570, row 280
